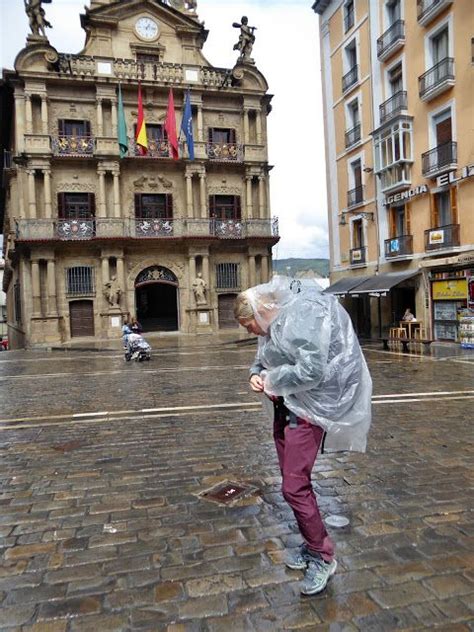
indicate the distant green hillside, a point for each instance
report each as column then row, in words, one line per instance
column 321, row 266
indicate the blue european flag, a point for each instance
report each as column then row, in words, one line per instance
column 187, row 125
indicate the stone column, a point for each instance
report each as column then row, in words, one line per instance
column 28, row 114
column 114, row 117
column 264, row 268
column 31, row 193
column 192, row 276
column 48, row 207
column 199, row 124
column 205, row 272
column 248, row 197
column 252, row 271
column 202, row 195
column 267, row 193
column 189, row 194
column 51, row 283
column 100, row 118
column 44, row 114
column 258, row 125
column 246, row 127
column 21, row 192
column 35, row 282
column 20, row 104
column 122, row 282
column 102, row 208
column 105, row 276
column 116, row 193
column 261, row 196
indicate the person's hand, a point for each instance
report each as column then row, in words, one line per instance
column 256, row 383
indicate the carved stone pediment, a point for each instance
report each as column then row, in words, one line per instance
column 152, row 182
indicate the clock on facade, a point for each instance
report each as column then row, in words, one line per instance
column 146, row 28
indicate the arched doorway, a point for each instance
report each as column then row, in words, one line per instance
column 156, row 299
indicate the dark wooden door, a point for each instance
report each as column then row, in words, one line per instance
column 444, row 132
column 226, row 311
column 81, row 316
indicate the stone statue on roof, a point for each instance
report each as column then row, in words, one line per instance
column 246, row 39
column 36, row 17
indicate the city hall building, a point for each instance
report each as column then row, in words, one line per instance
column 398, row 85
column 93, row 238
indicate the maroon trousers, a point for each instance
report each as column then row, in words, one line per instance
column 297, row 448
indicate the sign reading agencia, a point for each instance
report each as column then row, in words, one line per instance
column 441, row 181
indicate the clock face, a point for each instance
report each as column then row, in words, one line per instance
column 146, row 28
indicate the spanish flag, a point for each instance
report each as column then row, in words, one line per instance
column 140, row 138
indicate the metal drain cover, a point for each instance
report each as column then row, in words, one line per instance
column 228, row 492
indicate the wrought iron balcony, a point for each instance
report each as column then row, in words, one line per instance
column 352, row 136
column 348, row 20
column 442, row 237
column 157, row 227
column 75, row 229
column 350, row 78
column 156, row 149
column 225, row 152
column 391, row 41
column 72, row 145
column 399, row 246
column 429, row 9
column 440, row 159
column 355, row 197
column 393, row 106
column 358, row 256
column 437, row 79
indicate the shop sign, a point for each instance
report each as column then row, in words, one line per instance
column 406, row 195
column 436, row 237
column 470, row 295
column 356, row 255
column 454, row 290
column 468, row 258
column 450, row 178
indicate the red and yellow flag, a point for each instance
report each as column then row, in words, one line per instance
column 140, row 138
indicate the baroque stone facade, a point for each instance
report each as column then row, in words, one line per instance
column 79, row 219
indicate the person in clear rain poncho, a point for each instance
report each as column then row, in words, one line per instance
column 318, row 389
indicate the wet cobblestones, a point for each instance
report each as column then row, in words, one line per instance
column 102, row 527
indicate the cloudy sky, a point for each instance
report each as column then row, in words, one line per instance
column 287, row 52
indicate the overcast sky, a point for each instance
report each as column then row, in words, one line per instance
column 287, row 52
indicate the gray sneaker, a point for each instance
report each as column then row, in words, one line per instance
column 298, row 560
column 317, row 575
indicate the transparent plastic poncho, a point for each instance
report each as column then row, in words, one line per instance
column 312, row 358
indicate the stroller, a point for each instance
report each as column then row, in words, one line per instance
column 137, row 349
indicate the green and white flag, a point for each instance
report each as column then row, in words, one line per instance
column 122, row 126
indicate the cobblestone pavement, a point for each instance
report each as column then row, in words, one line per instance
column 103, row 527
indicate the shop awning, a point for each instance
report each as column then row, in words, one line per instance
column 380, row 284
column 343, row 286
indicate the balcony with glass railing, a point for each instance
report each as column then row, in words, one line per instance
column 400, row 246
column 355, row 197
column 392, row 107
column 352, row 136
column 439, row 160
column 427, row 10
column 391, row 41
column 358, row 256
column 442, row 238
column 437, row 79
column 350, row 79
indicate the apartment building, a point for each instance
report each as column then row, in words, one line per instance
column 92, row 238
column 397, row 80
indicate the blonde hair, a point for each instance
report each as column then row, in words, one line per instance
column 242, row 307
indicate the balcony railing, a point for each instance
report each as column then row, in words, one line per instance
column 429, row 9
column 138, row 228
column 392, row 40
column 399, row 246
column 358, row 256
column 355, row 197
column 85, row 67
column 156, row 149
column 225, row 152
column 72, row 145
column 393, row 106
column 350, row 78
column 348, row 20
column 437, row 79
column 352, row 135
column 439, row 159
column 442, row 237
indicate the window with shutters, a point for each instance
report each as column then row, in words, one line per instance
column 153, row 206
column 399, row 220
column 222, row 135
column 444, row 208
column 76, row 205
column 225, row 207
column 80, row 281
column 73, row 127
column 228, row 276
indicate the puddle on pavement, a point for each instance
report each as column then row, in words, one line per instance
column 228, row 492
